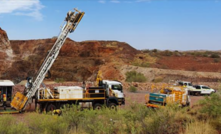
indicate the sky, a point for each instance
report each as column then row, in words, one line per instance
column 143, row 24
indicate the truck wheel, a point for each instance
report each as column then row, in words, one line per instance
column 51, row 108
column 112, row 106
column 97, row 106
column 197, row 93
column 42, row 108
column 190, row 93
column 188, row 104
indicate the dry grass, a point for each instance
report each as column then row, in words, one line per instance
column 199, row 127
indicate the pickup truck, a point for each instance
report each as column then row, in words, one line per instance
column 201, row 90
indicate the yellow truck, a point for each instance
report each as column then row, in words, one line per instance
column 171, row 94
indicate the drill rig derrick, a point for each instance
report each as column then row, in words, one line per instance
column 20, row 100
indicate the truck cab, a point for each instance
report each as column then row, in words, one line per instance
column 6, row 87
column 114, row 89
column 185, row 83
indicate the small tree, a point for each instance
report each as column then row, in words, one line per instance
column 132, row 89
column 133, row 76
column 215, row 55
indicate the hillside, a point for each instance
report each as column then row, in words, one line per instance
column 78, row 61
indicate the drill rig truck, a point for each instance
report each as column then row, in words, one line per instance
column 56, row 98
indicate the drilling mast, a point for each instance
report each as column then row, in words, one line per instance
column 72, row 20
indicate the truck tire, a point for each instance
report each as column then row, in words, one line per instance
column 197, row 93
column 188, row 104
column 97, row 106
column 190, row 93
column 50, row 108
column 112, row 106
column 42, row 108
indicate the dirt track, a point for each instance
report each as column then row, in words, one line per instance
column 139, row 97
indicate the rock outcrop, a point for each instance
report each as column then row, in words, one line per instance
column 6, row 54
column 77, row 61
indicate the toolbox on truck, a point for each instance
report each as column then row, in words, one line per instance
column 158, row 98
column 96, row 92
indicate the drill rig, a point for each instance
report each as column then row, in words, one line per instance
column 20, row 101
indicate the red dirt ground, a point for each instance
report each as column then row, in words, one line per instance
column 189, row 63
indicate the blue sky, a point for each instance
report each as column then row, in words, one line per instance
column 144, row 24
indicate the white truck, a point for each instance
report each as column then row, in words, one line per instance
column 201, row 90
column 185, row 83
column 116, row 88
column 196, row 89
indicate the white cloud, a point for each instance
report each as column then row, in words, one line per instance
column 101, row 1
column 22, row 7
column 115, row 1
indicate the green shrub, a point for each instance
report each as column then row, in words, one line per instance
column 158, row 79
column 216, row 60
column 167, row 53
column 155, row 50
column 103, row 121
column 211, row 105
column 59, row 80
column 205, row 55
column 46, row 124
column 133, row 76
column 73, row 116
column 146, row 51
column 214, row 55
column 135, row 118
column 132, row 89
column 143, row 64
column 170, row 120
column 9, row 125
column 199, row 127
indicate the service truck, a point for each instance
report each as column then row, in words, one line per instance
column 170, row 94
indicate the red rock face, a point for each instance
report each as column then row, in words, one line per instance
column 5, row 53
column 4, row 42
column 77, row 61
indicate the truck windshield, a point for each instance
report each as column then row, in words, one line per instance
column 185, row 83
column 116, row 87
